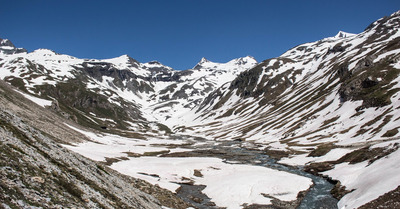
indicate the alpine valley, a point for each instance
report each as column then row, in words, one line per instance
column 317, row 127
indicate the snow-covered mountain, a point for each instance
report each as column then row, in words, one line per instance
column 332, row 106
column 306, row 90
column 173, row 99
column 87, row 89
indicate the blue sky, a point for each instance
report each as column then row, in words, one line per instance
column 178, row 33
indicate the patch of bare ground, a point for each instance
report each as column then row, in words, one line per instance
column 50, row 124
column 278, row 204
column 321, row 150
column 277, row 154
column 165, row 197
column 339, row 190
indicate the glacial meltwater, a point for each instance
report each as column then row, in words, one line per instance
column 318, row 196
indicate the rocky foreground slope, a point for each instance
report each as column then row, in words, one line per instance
column 330, row 106
column 37, row 172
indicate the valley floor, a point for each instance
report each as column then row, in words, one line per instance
column 232, row 179
column 171, row 161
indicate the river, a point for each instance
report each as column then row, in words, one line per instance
column 317, row 197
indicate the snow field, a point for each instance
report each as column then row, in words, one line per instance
column 113, row 146
column 299, row 160
column 368, row 181
column 39, row 101
column 228, row 185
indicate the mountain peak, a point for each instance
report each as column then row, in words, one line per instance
column 121, row 59
column 44, row 52
column 203, row 60
column 201, row 63
column 123, row 62
column 155, row 65
column 245, row 60
column 154, row 62
column 342, row 34
column 6, row 42
column 7, row 47
column 125, row 56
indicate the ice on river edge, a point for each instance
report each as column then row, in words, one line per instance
column 228, row 185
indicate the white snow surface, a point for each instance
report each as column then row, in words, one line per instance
column 303, row 159
column 228, row 185
column 39, row 101
column 124, row 62
column 368, row 181
column 104, row 146
column 342, row 34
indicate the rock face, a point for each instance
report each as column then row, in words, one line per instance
column 37, row 172
column 6, row 47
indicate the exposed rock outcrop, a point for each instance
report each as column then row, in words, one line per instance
column 6, row 47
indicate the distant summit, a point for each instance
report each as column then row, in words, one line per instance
column 342, row 34
column 245, row 62
column 7, row 47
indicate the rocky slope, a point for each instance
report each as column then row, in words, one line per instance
column 36, row 171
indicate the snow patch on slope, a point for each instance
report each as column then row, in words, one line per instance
column 39, row 101
column 368, row 181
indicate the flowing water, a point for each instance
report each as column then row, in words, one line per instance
column 318, row 197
